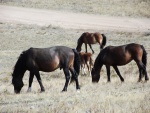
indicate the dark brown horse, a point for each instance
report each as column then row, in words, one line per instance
column 118, row 56
column 86, row 59
column 91, row 38
column 46, row 60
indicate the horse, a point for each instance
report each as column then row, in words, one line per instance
column 118, row 56
column 46, row 60
column 91, row 38
column 86, row 59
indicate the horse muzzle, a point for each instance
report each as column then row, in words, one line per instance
column 16, row 92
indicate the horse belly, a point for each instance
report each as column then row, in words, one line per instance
column 93, row 41
column 90, row 40
column 49, row 65
column 123, row 60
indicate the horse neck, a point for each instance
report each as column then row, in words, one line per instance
column 79, row 44
column 97, row 64
column 20, row 67
column 19, row 72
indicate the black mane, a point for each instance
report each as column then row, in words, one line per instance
column 20, row 62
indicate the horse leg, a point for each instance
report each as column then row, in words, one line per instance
column 145, row 72
column 85, row 47
column 37, row 74
column 142, row 70
column 88, row 66
column 84, row 72
column 91, row 48
column 108, row 73
column 118, row 73
column 83, row 69
column 75, row 76
column 67, row 75
column 30, row 81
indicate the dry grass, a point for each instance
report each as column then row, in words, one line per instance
column 114, row 97
column 133, row 8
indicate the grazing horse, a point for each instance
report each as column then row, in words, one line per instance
column 118, row 56
column 46, row 60
column 91, row 38
column 86, row 59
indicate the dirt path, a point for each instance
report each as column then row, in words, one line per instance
column 72, row 20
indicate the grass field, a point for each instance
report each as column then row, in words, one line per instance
column 132, row 8
column 114, row 97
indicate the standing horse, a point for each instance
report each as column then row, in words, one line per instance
column 118, row 56
column 91, row 38
column 86, row 59
column 46, row 60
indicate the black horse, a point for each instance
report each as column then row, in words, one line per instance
column 118, row 56
column 46, row 60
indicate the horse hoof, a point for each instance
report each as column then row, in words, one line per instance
column 78, row 91
column 43, row 90
column 146, row 79
column 64, row 91
column 122, row 81
column 139, row 81
column 29, row 90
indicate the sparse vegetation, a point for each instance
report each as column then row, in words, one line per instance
column 116, row 97
column 132, row 8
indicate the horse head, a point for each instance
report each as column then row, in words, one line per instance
column 18, row 84
column 95, row 76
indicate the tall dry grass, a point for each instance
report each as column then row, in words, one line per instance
column 132, row 8
column 114, row 97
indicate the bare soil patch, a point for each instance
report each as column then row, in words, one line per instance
column 130, row 8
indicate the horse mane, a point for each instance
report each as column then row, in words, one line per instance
column 104, row 41
column 79, row 42
column 20, row 62
column 99, row 58
column 82, row 36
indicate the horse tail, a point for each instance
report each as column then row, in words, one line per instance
column 144, row 57
column 76, row 64
column 103, row 42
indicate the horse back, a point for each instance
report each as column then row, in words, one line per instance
column 91, row 38
column 121, row 55
column 85, row 57
column 49, row 59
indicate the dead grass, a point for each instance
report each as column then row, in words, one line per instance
column 114, row 97
column 132, row 8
